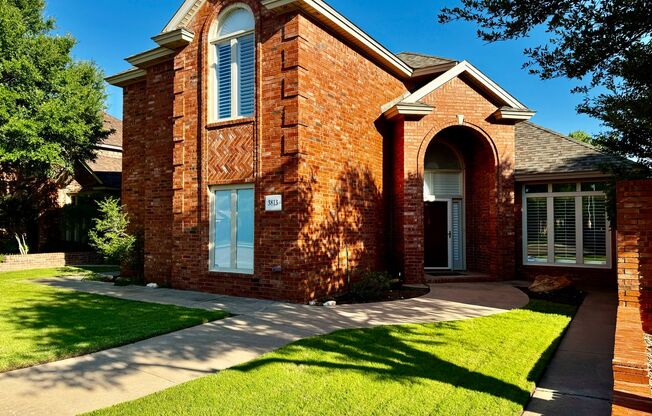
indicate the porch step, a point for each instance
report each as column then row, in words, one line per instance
column 459, row 278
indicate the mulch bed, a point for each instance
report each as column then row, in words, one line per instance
column 568, row 296
column 401, row 293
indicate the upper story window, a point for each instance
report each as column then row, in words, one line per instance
column 566, row 224
column 232, row 81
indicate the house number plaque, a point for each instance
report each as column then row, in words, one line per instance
column 274, row 203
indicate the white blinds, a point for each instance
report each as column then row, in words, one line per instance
column 246, row 75
column 442, row 184
column 537, row 229
column 594, row 229
column 456, row 229
column 565, row 237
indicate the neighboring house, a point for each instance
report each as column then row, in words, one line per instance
column 272, row 149
column 67, row 228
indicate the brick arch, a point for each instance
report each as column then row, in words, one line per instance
column 439, row 127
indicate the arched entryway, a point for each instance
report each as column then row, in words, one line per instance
column 459, row 200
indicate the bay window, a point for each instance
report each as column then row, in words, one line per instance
column 566, row 224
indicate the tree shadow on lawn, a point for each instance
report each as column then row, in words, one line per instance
column 404, row 354
column 56, row 324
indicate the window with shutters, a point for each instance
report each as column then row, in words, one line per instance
column 232, row 67
column 566, row 224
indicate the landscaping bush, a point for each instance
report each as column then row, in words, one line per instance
column 371, row 285
column 109, row 234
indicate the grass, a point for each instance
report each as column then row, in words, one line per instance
column 40, row 323
column 483, row 366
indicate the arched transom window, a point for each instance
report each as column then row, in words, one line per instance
column 442, row 172
column 233, row 64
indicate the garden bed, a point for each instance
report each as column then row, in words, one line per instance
column 400, row 293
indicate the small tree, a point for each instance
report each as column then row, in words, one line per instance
column 581, row 136
column 109, row 234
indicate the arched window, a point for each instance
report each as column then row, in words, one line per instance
column 233, row 64
column 442, row 172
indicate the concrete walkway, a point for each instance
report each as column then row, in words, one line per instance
column 98, row 380
column 579, row 379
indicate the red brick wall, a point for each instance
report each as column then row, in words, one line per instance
column 47, row 260
column 342, row 165
column 584, row 275
column 490, row 159
column 632, row 395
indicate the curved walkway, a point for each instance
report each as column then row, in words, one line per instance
column 126, row 373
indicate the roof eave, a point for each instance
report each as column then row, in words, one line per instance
column 175, row 39
column 552, row 176
column 127, row 77
column 512, row 114
column 418, row 110
column 151, row 57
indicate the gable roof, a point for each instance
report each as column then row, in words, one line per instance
column 541, row 151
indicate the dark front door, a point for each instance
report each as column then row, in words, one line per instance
column 436, row 234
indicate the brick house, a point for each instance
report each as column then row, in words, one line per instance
column 272, row 148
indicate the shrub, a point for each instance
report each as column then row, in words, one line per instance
column 371, row 285
column 2, row 258
column 109, row 233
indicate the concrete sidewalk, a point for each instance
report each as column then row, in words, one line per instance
column 98, row 380
column 579, row 379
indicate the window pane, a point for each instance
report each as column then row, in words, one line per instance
column 239, row 20
column 536, row 189
column 443, row 184
column 537, row 230
column 593, row 186
column 245, row 254
column 594, row 223
column 224, row 80
column 565, row 244
column 247, row 56
column 223, row 229
column 564, row 187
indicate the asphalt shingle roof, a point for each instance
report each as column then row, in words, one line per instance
column 543, row 151
column 419, row 61
column 112, row 123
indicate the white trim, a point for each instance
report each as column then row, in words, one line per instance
column 183, row 15
column 513, row 114
column 572, row 176
column 150, row 57
column 211, row 245
column 476, row 75
column 127, row 77
column 403, row 109
column 175, row 38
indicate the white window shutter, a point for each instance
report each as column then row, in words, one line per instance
column 246, row 76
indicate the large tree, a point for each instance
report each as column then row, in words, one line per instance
column 600, row 43
column 50, row 111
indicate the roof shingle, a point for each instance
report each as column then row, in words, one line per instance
column 419, row 61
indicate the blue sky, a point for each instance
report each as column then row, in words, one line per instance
column 110, row 30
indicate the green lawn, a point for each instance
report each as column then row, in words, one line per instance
column 39, row 323
column 483, row 366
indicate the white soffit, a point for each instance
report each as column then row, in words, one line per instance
column 476, row 75
column 126, row 77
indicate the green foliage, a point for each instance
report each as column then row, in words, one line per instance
column 109, row 234
column 581, row 136
column 2, row 258
column 50, row 109
column 371, row 285
column 599, row 43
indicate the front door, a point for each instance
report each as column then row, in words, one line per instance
column 437, row 235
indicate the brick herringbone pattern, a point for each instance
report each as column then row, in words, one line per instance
column 231, row 154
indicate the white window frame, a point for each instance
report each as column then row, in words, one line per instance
column 579, row 225
column 214, row 41
column 234, row 227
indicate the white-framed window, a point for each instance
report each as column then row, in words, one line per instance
column 232, row 229
column 232, row 65
column 566, row 224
